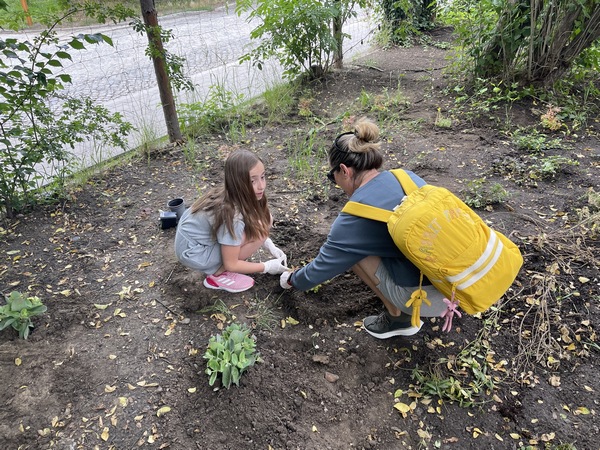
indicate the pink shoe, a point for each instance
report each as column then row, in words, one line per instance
column 229, row 281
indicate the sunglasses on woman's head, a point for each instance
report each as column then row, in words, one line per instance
column 335, row 142
column 330, row 175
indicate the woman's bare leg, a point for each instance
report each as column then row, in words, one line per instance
column 365, row 269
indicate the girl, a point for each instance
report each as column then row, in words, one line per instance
column 228, row 225
column 365, row 245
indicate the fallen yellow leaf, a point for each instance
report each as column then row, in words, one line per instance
column 105, row 434
column 18, row 361
column 162, row 411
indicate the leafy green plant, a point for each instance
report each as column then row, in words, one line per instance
column 38, row 124
column 548, row 166
column 299, row 33
column 479, row 194
column 404, row 19
column 532, row 141
column 230, row 354
column 18, row 311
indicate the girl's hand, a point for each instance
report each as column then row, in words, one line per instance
column 275, row 251
column 274, row 267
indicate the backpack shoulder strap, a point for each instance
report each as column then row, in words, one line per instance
column 367, row 211
column 407, row 183
column 379, row 214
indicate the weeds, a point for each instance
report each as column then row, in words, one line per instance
column 219, row 310
column 532, row 141
column 306, row 156
column 547, row 167
column 479, row 194
column 441, row 121
column 262, row 315
column 218, row 113
column 386, row 105
column 466, row 376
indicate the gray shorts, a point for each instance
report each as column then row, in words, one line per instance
column 399, row 295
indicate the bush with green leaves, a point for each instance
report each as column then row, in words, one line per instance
column 230, row 354
column 18, row 311
column 38, row 124
column 406, row 18
column 299, row 33
column 533, row 41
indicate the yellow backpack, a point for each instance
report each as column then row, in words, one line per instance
column 464, row 258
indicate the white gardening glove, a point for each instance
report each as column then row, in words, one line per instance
column 275, row 251
column 284, row 278
column 274, row 267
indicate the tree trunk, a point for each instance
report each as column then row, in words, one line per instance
column 554, row 52
column 338, row 57
column 164, row 86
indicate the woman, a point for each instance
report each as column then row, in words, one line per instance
column 229, row 224
column 365, row 245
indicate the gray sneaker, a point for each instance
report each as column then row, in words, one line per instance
column 385, row 326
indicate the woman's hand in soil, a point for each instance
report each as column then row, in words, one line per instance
column 274, row 267
column 275, row 251
column 284, row 280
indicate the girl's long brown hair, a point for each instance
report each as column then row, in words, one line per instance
column 236, row 195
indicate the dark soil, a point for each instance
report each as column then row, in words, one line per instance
column 127, row 325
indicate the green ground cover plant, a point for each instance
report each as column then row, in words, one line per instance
column 18, row 312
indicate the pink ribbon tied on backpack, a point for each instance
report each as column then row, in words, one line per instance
column 448, row 315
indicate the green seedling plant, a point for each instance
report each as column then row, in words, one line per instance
column 230, row 354
column 532, row 141
column 18, row 311
column 547, row 167
column 442, row 121
column 479, row 193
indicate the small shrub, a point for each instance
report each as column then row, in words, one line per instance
column 230, row 354
column 478, row 194
column 18, row 312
